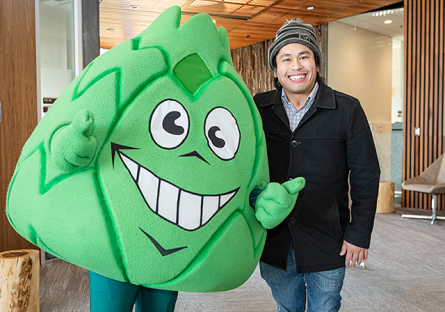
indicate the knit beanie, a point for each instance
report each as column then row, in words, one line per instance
column 293, row 31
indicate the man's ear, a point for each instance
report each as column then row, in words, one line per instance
column 275, row 72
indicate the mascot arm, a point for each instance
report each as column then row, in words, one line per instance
column 274, row 204
column 73, row 145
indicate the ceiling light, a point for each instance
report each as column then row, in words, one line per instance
column 134, row 7
column 388, row 22
column 310, row 8
column 111, row 30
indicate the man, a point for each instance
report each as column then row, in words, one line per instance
column 322, row 135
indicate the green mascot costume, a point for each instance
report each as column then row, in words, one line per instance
column 143, row 168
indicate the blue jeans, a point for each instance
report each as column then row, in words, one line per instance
column 108, row 295
column 290, row 289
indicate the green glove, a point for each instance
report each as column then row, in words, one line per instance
column 276, row 202
column 74, row 145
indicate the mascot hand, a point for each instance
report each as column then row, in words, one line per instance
column 74, row 145
column 276, row 202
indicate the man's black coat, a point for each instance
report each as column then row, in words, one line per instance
column 332, row 142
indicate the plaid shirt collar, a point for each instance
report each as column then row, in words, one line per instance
column 294, row 115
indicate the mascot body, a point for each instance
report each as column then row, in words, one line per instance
column 142, row 169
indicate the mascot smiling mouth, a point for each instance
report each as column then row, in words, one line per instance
column 189, row 211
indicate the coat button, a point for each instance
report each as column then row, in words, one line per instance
column 292, row 220
column 294, row 143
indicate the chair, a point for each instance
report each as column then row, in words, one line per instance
column 431, row 181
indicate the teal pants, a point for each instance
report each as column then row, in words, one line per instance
column 108, row 295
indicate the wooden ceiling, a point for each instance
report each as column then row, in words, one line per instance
column 246, row 21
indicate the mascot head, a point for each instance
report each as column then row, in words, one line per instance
column 142, row 169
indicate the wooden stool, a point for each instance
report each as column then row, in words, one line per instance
column 385, row 200
column 19, row 280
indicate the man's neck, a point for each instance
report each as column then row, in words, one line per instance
column 297, row 99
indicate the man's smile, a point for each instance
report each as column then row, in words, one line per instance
column 295, row 77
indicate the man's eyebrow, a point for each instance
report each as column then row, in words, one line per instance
column 290, row 54
column 303, row 52
column 285, row 55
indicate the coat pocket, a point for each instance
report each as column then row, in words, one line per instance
column 319, row 214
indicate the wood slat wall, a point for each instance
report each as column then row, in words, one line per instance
column 251, row 64
column 424, row 93
column 18, row 97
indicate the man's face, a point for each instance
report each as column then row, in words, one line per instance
column 296, row 69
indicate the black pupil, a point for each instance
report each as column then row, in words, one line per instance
column 169, row 123
column 217, row 142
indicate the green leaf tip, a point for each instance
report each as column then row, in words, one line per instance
column 198, row 35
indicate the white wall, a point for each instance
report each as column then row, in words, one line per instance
column 53, row 36
column 397, row 79
column 360, row 64
column 56, row 48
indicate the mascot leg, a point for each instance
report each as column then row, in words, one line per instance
column 150, row 299
column 108, row 295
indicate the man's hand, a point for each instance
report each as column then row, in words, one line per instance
column 353, row 253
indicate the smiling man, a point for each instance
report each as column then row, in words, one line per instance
column 322, row 135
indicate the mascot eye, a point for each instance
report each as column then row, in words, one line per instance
column 222, row 132
column 169, row 124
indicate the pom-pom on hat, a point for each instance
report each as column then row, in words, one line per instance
column 293, row 31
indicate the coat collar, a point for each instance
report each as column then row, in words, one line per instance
column 325, row 98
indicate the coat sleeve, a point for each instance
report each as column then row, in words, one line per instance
column 364, row 177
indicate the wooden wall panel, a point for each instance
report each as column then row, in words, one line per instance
column 18, row 97
column 424, row 93
column 252, row 65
